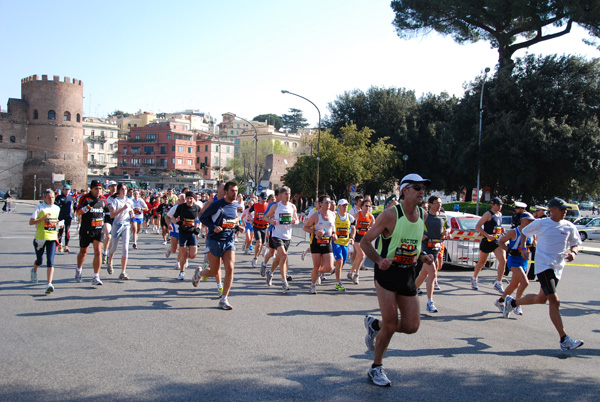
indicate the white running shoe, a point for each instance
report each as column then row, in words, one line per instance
column 254, row 262
column 181, row 276
column 500, row 305
column 168, row 252
column 313, row 289
column 269, row 278
column 285, row 287
column 431, row 307
column 507, row 307
column 196, row 277
column 303, row 256
column 355, row 279
column 474, row 284
column 96, row 281
column 518, row 310
column 498, row 287
column 263, row 269
column 378, row 377
column 570, row 343
column 371, row 333
column 224, row 304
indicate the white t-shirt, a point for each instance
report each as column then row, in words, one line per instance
column 553, row 242
column 138, row 206
column 116, row 204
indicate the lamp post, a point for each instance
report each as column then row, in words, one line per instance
column 255, row 151
column 405, row 159
column 487, row 70
column 283, row 91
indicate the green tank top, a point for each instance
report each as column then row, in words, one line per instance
column 404, row 245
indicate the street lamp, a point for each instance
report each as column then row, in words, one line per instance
column 405, row 159
column 487, row 70
column 283, row 91
column 255, row 151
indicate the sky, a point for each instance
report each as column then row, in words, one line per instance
column 233, row 55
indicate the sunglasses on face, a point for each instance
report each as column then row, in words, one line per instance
column 417, row 187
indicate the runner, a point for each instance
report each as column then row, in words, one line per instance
column 540, row 212
column 557, row 244
column 281, row 217
column 345, row 230
column 112, row 188
column 247, row 219
column 268, row 252
column 364, row 221
column 139, row 208
column 220, row 219
column 490, row 227
column 67, row 204
column 322, row 226
column 162, row 210
column 187, row 214
column 174, row 233
column 45, row 216
column 401, row 229
column 436, row 229
column 91, row 209
column 515, row 262
column 259, row 225
column 121, row 212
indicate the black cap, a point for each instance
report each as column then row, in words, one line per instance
column 497, row 201
column 557, row 202
column 263, row 196
column 95, row 183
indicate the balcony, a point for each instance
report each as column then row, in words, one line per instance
column 97, row 138
column 95, row 163
column 142, row 140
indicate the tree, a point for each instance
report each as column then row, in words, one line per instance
column 119, row 113
column 508, row 25
column 243, row 164
column 294, row 120
column 271, row 119
column 346, row 159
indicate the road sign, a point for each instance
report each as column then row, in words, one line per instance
column 353, row 188
column 260, row 187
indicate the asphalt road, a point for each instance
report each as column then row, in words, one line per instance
column 154, row 338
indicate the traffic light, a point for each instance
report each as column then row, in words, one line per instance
column 202, row 165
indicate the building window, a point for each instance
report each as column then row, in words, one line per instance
column 206, row 148
column 78, row 118
column 173, row 148
column 92, row 145
column 148, row 150
column 163, row 150
column 151, row 137
column 137, row 137
column 180, row 149
column 198, row 148
column 227, row 149
column 125, row 151
column 101, row 133
column 190, row 162
column 231, row 132
column 35, row 114
column 67, row 116
column 216, row 148
column 179, row 161
column 168, row 136
column 92, row 133
column 173, row 161
column 51, row 115
column 112, row 135
column 189, row 150
column 197, row 159
column 149, row 161
column 102, row 146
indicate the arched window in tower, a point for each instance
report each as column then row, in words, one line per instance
column 67, row 116
column 51, row 115
column 13, row 139
column 35, row 114
column 78, row 118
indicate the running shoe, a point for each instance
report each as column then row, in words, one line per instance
column 196, row 277
column 96, row 281
column 436, row 286
column 338, row 286
column 285, row 287
column 124, row 276
column 269, row 278
column 164, row 243
column 289, row 277
column 371, row 333
column 303, row 256
column 319, row 279
column 323, row 277
column 168, row 252
column 349, row 276
column 431, row 307
column 507, row 306
column 220, row 290
column 313, row 289
column 67, row 249
column 181, row 276
column 33, row 276
column 103, row 258
column 263, row 269
column 265, row 251
column 78, row 276
column 474, row 284
column 135, row 246
column 251, row 248
column 498, row 287
column 518, row 310
column 378, row 377
column 224, row 304
column 109, row 267
column 254, row 262
column 570, row 343
column 500, row 305
column 177, row 267
column 355, row 279
column 419, row 291
column 49, row 288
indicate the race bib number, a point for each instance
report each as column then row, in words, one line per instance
column 342, row 233
column 323, row 240
column 405, row 257
column 285, row 219
column 434, row 244
column 97, row 223
column 50, row 225
column 137, row 211
column 189, row 222
column 228, row 224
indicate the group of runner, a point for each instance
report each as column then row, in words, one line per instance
column 404, row 242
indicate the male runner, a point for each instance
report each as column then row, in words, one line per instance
column 45, row 216
column 345, row 229
column 187, row 214
column 260, row 226
column 395, row 260
column 112, row 189
column 66, row 203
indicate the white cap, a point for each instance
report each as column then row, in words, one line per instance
column 342, row 201
column 412, row 178
column 519, row 204
column 112, row 183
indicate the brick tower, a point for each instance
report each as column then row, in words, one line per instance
column 55, row 133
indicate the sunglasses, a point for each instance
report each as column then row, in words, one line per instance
column 417, row 187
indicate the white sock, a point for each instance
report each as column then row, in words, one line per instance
column 79, row 270
column 429, row 300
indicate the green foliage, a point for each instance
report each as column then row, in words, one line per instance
column 294, row 120
column 271, row 119
column 346, row 159
column 508, row 25
column 119, row 113
column 243, row 164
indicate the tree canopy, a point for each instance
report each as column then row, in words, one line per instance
column 294, row 120
column 508, row 25
column 271, row 119
column 243, row 165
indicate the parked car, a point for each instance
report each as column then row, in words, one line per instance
column 582, row 221
column 464, row 252
column 572, row 212
column 590, row 230
column 586, row 206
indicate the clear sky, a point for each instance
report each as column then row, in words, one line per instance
column 232, row 55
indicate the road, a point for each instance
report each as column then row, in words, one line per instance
column 154, row 338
